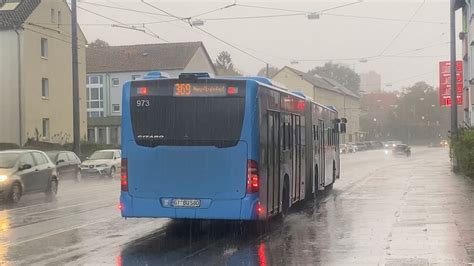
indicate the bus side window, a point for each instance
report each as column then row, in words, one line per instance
column 329, row 137
column 314, row 132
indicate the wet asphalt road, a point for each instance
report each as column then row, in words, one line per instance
column 383, row 210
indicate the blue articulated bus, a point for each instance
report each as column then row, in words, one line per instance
column 233, row 148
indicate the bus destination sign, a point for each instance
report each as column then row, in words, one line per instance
column 199, row 90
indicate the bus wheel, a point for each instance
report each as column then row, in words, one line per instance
column 329, row 187
column 286, row 197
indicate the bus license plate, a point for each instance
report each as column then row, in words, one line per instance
column 186, row 203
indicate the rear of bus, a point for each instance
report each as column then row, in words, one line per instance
column 189, row 149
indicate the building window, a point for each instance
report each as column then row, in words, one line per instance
column 44, row 48
column 135, row 77
column 45, row 130
column 53, row 13
column 94, row 80
column 60, row 21
column 95, row 96
column 115, row 82
column 113, row 135
column 102, row 138
column 44, row 87
column 116, row 108
column 91, row 135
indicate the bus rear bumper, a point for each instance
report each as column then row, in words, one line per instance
column 237, row 209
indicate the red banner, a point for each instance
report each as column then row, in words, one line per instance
column 445, row 83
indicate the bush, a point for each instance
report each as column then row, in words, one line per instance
column 463, row 149
column 8, row 146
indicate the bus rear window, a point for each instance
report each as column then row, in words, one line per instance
column 167, row 119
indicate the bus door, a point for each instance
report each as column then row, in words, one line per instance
column 322, row 153
column 287, row 151
column 295, row 141
column 273, row 159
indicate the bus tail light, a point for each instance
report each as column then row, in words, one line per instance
column 253, row 179
column 124, row 175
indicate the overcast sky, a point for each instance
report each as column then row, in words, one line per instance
column 370, row 29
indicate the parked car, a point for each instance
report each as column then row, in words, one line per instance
column 377, row 144
column 361, row 146
column 102, row 163
column 24, row 172
column 343, row 149
column 352, row 147
column 368, row 145
column 402, row 149
column 67, row 164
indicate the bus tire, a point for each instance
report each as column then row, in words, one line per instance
column 285, row 205
column 329, row 187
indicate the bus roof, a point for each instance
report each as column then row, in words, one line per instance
column 263, row 81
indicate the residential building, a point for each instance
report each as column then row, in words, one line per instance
column 370, row 82
column 108, row 68
column 327, row 92
column 36, row 72
column 467, row 39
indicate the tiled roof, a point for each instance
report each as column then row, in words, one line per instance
column 341, row 88
column 324, row 83
column 11, row 18
column 142, row 57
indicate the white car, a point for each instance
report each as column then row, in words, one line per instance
column 102, row 163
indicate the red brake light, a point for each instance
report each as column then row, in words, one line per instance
column 253, row 179
column 232, row 90
column 124, row 175
column 143, row 91
column 259, row 208
column 300, row 105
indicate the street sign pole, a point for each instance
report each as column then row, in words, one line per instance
column 454, row 106
column 454, row 103
column 75, row 82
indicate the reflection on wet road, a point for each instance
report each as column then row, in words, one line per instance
column 383, row 210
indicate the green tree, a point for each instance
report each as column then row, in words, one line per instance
column 416, row 117
column 340, row 73
column 98, row 43
column 225, row 66
column 271, row 71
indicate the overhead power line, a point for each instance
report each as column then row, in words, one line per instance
column 215, row 10
column 403, row 28
column 121, row 24
column 209, row 34
column 385, row 19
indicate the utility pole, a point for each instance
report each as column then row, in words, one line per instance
column 76, row 123
column 267, row 74
column 454, row 104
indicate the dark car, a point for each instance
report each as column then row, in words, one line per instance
column 67, row 164
column 401, row 149
column 24, row 172
column 361, row 146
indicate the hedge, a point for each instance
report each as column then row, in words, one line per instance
column 8, row 146
column 463, row 150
